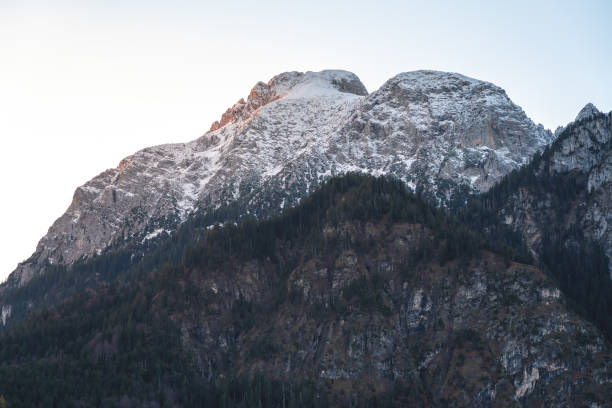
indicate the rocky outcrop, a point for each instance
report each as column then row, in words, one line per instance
column 482, row 333
column 588, row 111
column 281, row 85
column 444, row 134
column 583, row 151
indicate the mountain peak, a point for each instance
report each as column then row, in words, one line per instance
column 440, row 80
column 430, row 74
column 444, row 92
column 588, row 111
column 293, row 85
column 306, row 84
column 443, row 134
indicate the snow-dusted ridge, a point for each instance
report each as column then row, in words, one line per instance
column 442, row 133
column 293, row 85
column 588, row 111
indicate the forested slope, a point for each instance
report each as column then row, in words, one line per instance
column 362, row 295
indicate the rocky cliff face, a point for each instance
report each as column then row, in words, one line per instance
column 444, row 134
column 482, row 334
column 583, row 152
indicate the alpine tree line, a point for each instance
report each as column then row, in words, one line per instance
column 118, row 340
column 111, row 340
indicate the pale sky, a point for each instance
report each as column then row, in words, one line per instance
column 84, row 83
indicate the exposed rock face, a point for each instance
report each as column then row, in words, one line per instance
column 444, row 134
column 588, row 111
column 481, row 334
column 281, row 85
column 6, row 313
column 583, row 150
column 440, row 132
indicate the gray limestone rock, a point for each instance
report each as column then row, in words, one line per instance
column 583, row 149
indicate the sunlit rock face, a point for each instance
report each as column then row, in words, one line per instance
column 444, row 134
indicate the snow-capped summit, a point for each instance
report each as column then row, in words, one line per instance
column 293, row 85
column 588, row 111
column 444, row 134
column 457, row 133
column 315, row 84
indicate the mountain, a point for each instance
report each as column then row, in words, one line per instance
column 362, row 295
column 561, row 207
column 446, row 135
